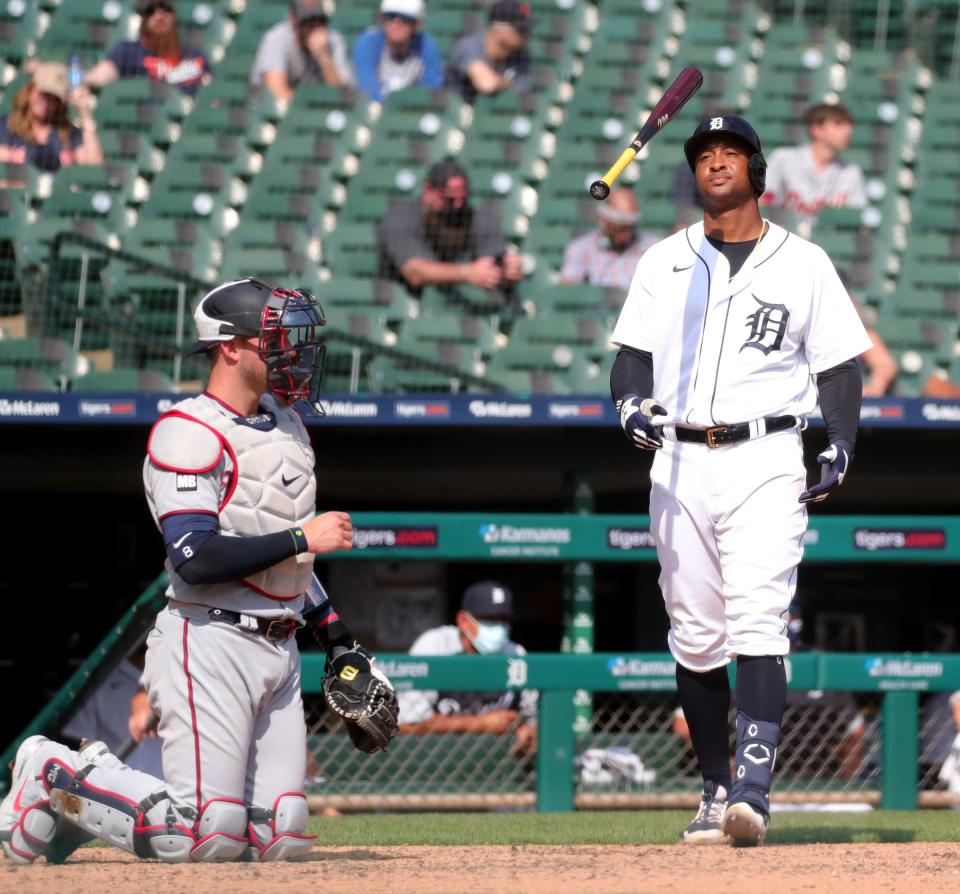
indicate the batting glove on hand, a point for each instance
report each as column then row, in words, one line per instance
column 834, row 462
column 636, row 420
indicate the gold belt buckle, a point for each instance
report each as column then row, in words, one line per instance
column 713, row 431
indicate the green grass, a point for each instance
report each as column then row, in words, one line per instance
column 627, row 827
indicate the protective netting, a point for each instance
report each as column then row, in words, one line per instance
column 637, row 754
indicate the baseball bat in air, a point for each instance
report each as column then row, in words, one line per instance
column 674, row 98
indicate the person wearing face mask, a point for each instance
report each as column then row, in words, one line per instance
column 442, row 240
column 608, row 255
column 482, row 627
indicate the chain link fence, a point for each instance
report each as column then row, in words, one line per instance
column 637, row 754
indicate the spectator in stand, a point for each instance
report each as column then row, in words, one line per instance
column 302, row 49
column 496, row 59
column 157, row 54
column 805, row 179
column 685, row 197
column 608, row 255
column 878, row 366
column 482, row 627
column 440, row 240
column 38, row 131
column 397, row 54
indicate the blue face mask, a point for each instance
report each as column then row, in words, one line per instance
column 490, row 638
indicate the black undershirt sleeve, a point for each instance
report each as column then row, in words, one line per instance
column 632, row 373
column 841, row 393
column 217, row 558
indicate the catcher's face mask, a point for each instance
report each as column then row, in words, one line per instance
column 292, row 349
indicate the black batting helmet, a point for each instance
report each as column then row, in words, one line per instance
column 735, row 126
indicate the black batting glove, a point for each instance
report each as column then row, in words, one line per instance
column 636, row 420
column 834, row 462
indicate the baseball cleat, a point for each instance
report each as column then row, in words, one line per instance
column 25, row 829
column 707, row 825
column 746, row 826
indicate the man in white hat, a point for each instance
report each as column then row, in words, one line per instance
column 397, row 54
column 608, row 255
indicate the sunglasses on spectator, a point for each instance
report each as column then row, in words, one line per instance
column 399, row 17
column 153, row 7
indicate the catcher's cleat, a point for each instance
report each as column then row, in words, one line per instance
column 707, row 825
column 26, row 823
column 746, row 826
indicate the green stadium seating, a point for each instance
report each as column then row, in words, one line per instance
column 364, row 293
column 19, row 379
column 351, row 250
column 19, row 26
column 124, row 380
column 449, row 328
column 588, row 333
column 47, row 354
column 80, row 26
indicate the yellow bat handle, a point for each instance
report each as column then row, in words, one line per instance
column 600, row 189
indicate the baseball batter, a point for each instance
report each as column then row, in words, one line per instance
column 229, row 478
column 732, row 330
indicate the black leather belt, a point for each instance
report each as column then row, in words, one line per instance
column 720, row 435
column 271, row 628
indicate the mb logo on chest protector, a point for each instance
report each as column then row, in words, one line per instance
column 767, row 325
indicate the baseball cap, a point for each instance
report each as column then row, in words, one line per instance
column 715, row 126
column 413, row 9
column 51, row 77
column 488, row 599
column 509, row 12
column 305, row 10
column 230, row 310
column 442, row 172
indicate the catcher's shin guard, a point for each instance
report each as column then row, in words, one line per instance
column 278, row 834
column 148, row 828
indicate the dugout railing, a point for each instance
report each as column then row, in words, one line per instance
column 608, row 734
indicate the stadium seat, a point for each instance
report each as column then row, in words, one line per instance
column 52, row 356
column 19, row 379
column 365, row 293
column 590, row 334
column 351, row 250
column 124, row 380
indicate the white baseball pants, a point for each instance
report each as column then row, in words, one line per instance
column 729, row 532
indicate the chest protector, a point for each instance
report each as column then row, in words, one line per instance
column 267, row 485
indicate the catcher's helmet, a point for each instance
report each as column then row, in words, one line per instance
column 735, row 126
column 286, row 322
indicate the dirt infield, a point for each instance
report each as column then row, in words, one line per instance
column 868, row 868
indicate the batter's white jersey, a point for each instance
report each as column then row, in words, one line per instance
column 727, row 350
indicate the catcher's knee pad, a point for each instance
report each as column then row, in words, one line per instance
column 148, row 828
column 278, row 834
column 28, row 838
column 221, row 832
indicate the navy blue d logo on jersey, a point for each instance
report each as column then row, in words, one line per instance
column 767, row 326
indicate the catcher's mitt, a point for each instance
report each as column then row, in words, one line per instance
column 364, row 699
